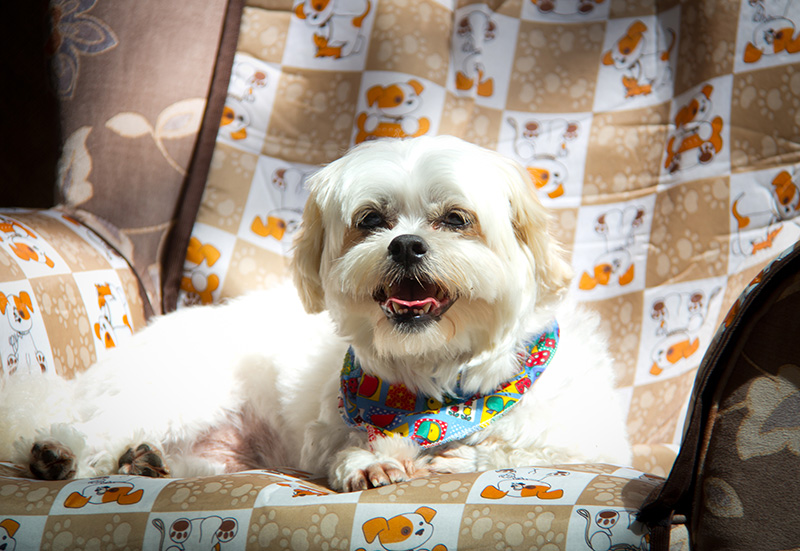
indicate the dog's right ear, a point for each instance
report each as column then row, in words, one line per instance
column 308, row 258
column 373, row 527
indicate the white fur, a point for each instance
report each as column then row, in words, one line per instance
column 261, row 360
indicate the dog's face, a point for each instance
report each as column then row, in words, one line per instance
column 429, row 247
column 396, row 99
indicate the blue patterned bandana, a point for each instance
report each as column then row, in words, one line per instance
column 368, row 403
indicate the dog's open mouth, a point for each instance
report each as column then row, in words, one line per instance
column 410, row 301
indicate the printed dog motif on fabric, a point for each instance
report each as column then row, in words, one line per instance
column 198, row 282
column 114, row 317
column 643, row 69
column 282, row 223
column 544, row 147
column 404, row 532
column 679, row 318
column 392, row 112
column 697, row 137
column 618, row 228
column 19, row 316
column 475, row 29
column 775, row 31
column 614, row 530
column 102, row 491
column 382, row 410
column 761, row 211
column 514, row 484
column 23, row 243
column 203, row 533
column 245, row 81
column 338, row 25
column 566, row 7
column 8, row 528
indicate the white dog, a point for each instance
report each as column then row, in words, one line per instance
column 428, row 273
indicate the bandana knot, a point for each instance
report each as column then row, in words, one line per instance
column 384, row 410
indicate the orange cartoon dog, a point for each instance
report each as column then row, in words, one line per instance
column 475, row 29
column 8, row 528
column 392, row 112
column 617, row 228
column 23, row 242
column 198, row 285
column 764, row 208
column 775, row 32
column 18, row 310
column 338, row 25
column 408, row 531
column 100, row 491
column 113, row 314
column 695, row 130
column 642, row 71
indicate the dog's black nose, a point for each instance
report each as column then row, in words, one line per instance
column 407, row 249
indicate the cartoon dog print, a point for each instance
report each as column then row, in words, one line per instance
column 642, row 70
column 475, row 29
column 113, row 314
column 766, row 208
column 600, row 534
column 198, row 284
column 514, row 484
column 23, row 242
column 24, row 354
column 409, row 531
column 338, row 25
column 104, row 490
column 775, row 30
column 543, row 147
column 679, row 317
column 8, row 528
column 197, row 533
column 391, row 112
column 236, row 118
column 617, row 227
column 284, row 221
column 695, row 132
column 566, row 7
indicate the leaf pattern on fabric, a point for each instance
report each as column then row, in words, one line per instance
column 179, row 120
column 75, row 33
column 74, row 168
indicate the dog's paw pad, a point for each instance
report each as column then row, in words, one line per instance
column 51, row 460
column 144, row 460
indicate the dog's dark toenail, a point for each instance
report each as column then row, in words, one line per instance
column 143, row 448
column 126, row 459
column 153, row 460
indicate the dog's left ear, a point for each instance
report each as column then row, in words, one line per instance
column 530, row 220
column 308, row 257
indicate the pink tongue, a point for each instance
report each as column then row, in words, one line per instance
column 415, row 303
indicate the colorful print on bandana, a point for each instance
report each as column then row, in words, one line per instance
column 392, row 410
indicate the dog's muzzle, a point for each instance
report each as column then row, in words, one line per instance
column 412, row 299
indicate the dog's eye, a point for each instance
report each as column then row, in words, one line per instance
column 456, row 219
column 370, row 220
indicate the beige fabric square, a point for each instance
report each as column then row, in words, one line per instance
column 252, row 267
column 621, row 321
column 688, row 237
column 462, row 117
column 324, row 527
column 634, row 8
column 436, row 488
column 312, row 117
column 656, row 409
column 624, row 154
column 613, row 491
column 31, row 496
column 9, row 270
column 227, row 188
column 503, row 526
column 413, row 38
column 707, row 42
column 263, row 33
column 563, row 225
column 221, row 493
column 555, row 67
column 68, row 327
column 765, row 110
column 109, row 531
column 72, row 249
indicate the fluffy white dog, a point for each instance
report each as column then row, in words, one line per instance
column 426, row 269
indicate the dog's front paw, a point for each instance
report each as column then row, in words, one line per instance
column 143, row 461
column 51, row 460
column 453, row 458
column 355, row 469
